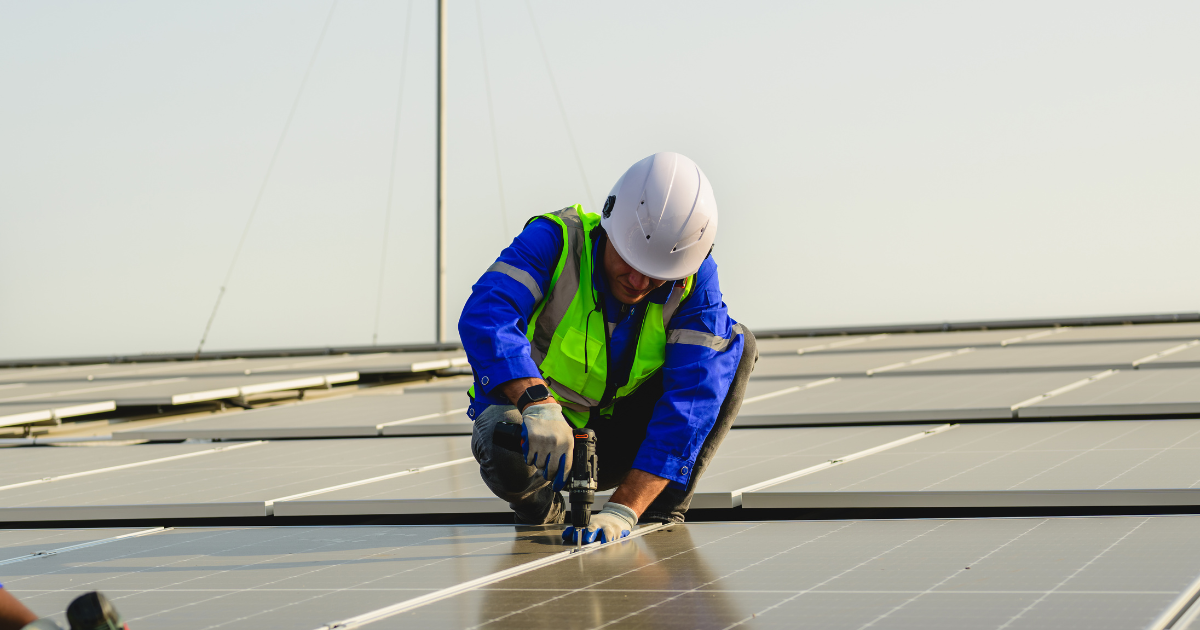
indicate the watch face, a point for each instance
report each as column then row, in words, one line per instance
column 538, row 392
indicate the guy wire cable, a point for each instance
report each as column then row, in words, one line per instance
column 487, row 88
column 561, row 109
column 266, row 178
column 387, row 212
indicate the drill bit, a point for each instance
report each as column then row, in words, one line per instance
column 578, row 539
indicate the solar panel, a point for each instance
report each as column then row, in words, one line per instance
column 745, row 458
column 752, row 456
column 1101, row 572
column 1127, row 393
column 29, row 464
column 282, row 577
column 1094, row 356
column 173, row 383
column 239, row 481
column 363, row 415
column 896, row 398
column 451, row 490
column 846, row 363
column 900, row 341
column 1119, row 334
column 1116, row 463
column 1115, row 572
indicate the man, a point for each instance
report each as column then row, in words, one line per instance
column 613, row 321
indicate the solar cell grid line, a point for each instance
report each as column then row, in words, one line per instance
column 1128, row 393
column 235, row 484
column 1100, row 572
column 1116, row 463
column 290, row 577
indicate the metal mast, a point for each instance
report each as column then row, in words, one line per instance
column 441, row 173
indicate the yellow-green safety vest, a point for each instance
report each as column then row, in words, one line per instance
column 568, row 335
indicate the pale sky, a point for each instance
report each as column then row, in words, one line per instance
column 872, row 162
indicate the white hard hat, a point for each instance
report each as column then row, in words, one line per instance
column 661, row 216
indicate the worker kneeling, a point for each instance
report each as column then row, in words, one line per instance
column 613, row 322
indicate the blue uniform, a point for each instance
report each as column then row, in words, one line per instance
column 695, row 378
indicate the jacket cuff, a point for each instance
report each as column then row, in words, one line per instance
column 492, row 373
column 663, row 464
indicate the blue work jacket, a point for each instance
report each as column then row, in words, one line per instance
column 695, row 378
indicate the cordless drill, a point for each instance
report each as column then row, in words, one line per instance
column 585, row 471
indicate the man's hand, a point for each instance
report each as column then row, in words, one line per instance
column 614, row 522
column 546, row 441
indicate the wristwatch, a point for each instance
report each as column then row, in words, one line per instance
column 534, row 394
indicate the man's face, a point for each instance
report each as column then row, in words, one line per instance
column 626, row 284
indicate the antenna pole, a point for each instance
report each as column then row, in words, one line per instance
column 441, row 173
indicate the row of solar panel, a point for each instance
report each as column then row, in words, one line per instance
column 1117, row 463
column 47, row 395
column 439, row 408
column 1096, row 573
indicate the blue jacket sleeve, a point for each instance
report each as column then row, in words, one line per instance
column 695, row 381
column 494, row 320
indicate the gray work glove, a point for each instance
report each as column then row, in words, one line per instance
column 614, row 522
column 546, row 440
